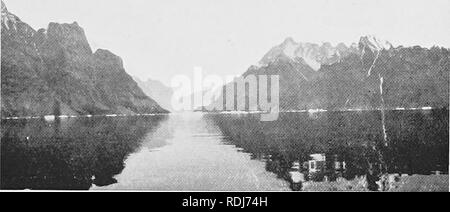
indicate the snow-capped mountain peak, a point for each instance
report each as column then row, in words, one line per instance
column 311, row 54
column 8, row 19
column 374, row 43
column 289, row 47
column 4, row 7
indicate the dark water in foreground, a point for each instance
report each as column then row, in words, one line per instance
column 217, row 151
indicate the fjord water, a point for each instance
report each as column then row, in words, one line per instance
column 196, row 151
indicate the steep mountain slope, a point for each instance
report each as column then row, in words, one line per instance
column 54, row 71
column 370, row 75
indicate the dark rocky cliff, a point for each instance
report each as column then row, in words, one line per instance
column 56, row 68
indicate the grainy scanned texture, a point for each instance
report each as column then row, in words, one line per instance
column 235, row 95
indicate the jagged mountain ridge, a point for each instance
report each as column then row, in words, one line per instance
column 369, row 75
column 54, row 71
column 310, row 54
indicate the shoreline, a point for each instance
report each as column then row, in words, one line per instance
column 412, row 183
column 312, row 111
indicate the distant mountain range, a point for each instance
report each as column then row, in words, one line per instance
column 157, row 91
column 372, row 74
column 53, row 71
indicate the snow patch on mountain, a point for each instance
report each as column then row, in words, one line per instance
column 375, row 45
column 311, row 54
column 8, row 19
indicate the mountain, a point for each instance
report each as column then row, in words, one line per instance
column 157, row 91
column 310, row 54
column 372, row 74
column 54, row 71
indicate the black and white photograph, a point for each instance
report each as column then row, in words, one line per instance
column 225, row 96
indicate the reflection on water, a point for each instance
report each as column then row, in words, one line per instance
column 196, row 158
column 69, row 153
column 219, row 151
column 325, row 146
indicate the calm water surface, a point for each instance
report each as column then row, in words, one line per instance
column 214, row 151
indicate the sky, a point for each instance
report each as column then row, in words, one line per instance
column 159, row 39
